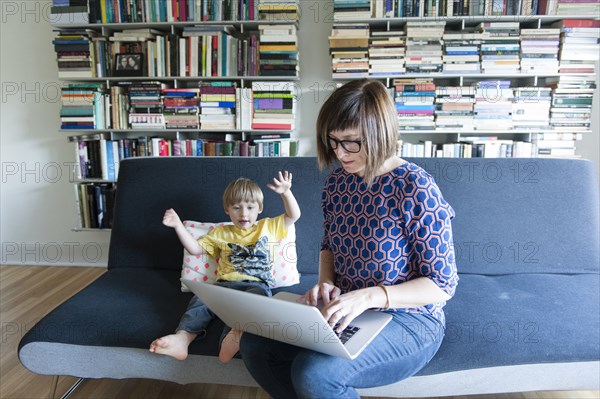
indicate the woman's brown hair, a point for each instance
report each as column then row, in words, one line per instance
column 365, row 106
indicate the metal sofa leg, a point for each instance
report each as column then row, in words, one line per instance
column 72, row 389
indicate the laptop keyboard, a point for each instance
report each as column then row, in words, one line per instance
column 348, row 332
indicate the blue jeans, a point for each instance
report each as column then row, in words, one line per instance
column 402, row 348
column 197, row 315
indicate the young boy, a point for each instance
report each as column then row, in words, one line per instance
column 245, row 257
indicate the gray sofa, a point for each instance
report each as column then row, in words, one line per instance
column 526, row 314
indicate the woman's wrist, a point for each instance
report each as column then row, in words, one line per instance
column 379, row 297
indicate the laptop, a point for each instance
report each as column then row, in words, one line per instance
column 283, row 319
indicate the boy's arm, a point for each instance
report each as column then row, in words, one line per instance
column 292, row 209
column 171, row 219
column 283, row 187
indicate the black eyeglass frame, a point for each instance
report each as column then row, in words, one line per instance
column 337, row 142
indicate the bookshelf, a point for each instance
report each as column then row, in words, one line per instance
column 172, row 78
column 492, row 79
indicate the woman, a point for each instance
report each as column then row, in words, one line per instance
column 387, row 245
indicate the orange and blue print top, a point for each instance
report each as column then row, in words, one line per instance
column 397, row 230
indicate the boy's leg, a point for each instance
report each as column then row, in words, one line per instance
column 230, row 339
column 192, row 324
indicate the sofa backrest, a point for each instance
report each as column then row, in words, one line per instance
column 512, row 215
column 194, row 186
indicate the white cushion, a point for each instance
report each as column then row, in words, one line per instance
column 204, row 268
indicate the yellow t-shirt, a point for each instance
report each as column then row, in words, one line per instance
column 245, row 254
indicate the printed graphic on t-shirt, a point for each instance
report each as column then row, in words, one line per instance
column 252, row 260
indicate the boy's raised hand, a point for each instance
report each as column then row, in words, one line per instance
column 171, row 219
column 281, row 184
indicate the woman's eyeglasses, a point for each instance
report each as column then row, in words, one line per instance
column 348, row 145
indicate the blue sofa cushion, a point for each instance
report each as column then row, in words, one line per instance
column 492, row 320
column 521, row 215
column 520, row 319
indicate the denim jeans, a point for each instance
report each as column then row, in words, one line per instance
column 400, row 350
column 198, row 315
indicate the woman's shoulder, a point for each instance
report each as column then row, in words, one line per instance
column 413, row 173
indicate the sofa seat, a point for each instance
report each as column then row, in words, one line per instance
column 507, row 323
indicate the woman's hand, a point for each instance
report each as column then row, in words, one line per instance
column 324, row 291
column 345, row 308
column 336, row 307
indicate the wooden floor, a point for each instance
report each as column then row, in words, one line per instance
column 21, row 305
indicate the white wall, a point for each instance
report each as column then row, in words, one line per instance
column 37, row 208
column 37, row 200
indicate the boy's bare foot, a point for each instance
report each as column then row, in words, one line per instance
column 174, row 345
column 230, row 345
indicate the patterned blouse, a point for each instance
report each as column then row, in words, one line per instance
column 398, row 230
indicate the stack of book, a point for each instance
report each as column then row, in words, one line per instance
column 559, row 144
column 146, row 105
column 278, row 10
column 95, row 202
column 414, row 99
column 578, row 7
column 572, row 98
column 279, row 145
column 454, row 108
column 427, row 8
column 384, row 9
column 73, row 55
column 181, row 108
column 125, row 11
column 386, row 53
column 66, row 12
column 493, row 105
column 468, row 147
column 424, row 149
column 78, row 105
column 185, row 147
column 461, row 52
column 119, row 106
column 531, row 108
column 351, row 9
column 278, row 50
column 500, row 47
column 217, row 105
column 539, row 50
column 573, row 90
column 87, row 158
column 579, row 45
column 349, row 48
column 274, row 105
column 492, row 147
column 424, row 46
column 209, row 50
column 244, row 107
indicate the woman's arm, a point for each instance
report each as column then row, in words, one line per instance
column 414, row 293
column 418, row 292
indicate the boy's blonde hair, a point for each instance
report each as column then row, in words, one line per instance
column 243, row 190
column 366, row 106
